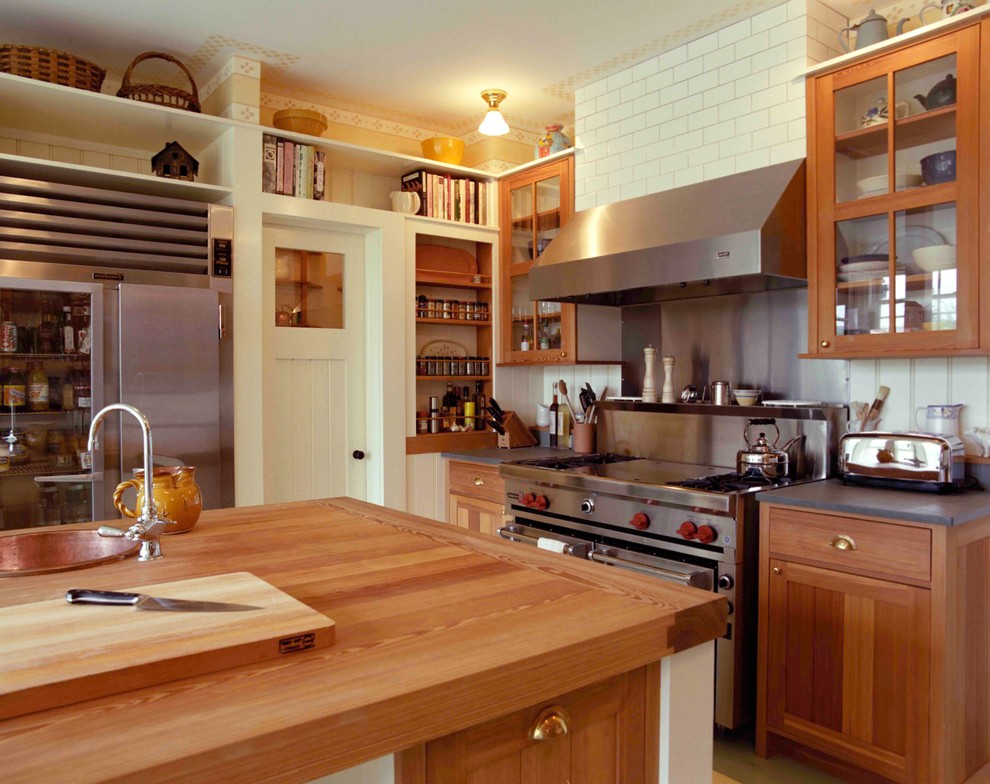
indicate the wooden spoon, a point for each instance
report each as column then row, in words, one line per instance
column 562, row 387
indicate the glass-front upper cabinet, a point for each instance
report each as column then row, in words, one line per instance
column 535, row 205
column 893, row 215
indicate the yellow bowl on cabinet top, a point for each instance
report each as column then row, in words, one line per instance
column 300, row 121
column 445, row 149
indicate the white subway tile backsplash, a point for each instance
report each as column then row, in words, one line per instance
column 702, row 155
column 583, row 171
column 618, row 80
column 674, row 128
column 632, row 124
column 673, row 163
column 596, row 120
column 718, row 58
column 796, row 129
column 737, row 145
column 796, row 8
column 689, row 105
column 793, row 28
column 705, row 81
column 817, row 53
column 597, row 183
column 735, row 32
column 647, row 136
column 633, row 189
column 770, row 136
column 659, row 80
column 609, row 163
column 687, row 69
column 720, row 131
column 688, row 141
column 759, row 42
column 703, row 45
column 720, row 168
column 644, row 69
column 736, row 70
column 620, row 112
column 785, row 112
column 609, row 196
column 735, row 108
column 619, row 145
column 769, row 18
column 689, row 176
column 606, row 101
column 585, row 201
column 647, row 170
column 660, row 149
column 620, row 177
column 789, row 151
column 795, row 89
column 770, row 97
column 704, row 118
column 608, row 132
column 790, row 71
column 769, row 58
column 660, row 115
column 662, row 182
column 676, row 92
column 593, row 90
column 751, row 84
column 720, row 94
column 646, row 102
column 754, row 121
column 752, row 160
column 671, row 58
column 632, row 91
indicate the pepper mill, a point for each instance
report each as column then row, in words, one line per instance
column 649, row 377
column 667, row 393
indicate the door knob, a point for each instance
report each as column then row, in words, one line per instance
column 357, row 454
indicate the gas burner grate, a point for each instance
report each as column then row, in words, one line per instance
column 730, row 483
column 569, row 462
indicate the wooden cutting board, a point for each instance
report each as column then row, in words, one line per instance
column 41, row 665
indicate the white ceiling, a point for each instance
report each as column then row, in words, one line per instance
column 419, row 63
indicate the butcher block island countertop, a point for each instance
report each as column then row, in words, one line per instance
column 437, row 630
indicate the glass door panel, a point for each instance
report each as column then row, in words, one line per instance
column 523, row 318
column 861, row 123
column 925, row 136
column 309, row 289
column 548, row 325
column 547, row 212
column 862, row 293
column 926, row 296
column 521, row 201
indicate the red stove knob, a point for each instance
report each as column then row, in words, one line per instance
column 527, row 499
column 541, row 502
column 640, row 521
column 706, row 534
column 688, row 530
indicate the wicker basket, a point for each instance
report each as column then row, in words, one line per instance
column 50, row 65
column 160, row 93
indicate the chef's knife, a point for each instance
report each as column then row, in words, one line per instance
column 497, row 427
column 142, row 601
column 498, row 412
column 496, row 415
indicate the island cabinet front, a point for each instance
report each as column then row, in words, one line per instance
column 476, row 498
column 595, row 735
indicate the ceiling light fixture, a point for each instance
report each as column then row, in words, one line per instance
column 494, row 123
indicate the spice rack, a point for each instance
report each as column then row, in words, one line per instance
column 453, row 316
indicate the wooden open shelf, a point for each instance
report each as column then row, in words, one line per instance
column 456, row 280
column 933, row 126
column 453, row 322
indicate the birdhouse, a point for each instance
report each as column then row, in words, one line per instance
column 174, row 162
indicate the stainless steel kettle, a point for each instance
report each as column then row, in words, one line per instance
column 872, row 29
column 763, row 457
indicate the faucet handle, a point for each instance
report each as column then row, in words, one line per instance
column 110, row 532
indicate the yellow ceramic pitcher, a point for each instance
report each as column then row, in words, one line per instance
column 176, row 495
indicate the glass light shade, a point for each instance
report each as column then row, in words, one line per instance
column 493, row 124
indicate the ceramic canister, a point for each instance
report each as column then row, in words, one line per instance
column 551, row 141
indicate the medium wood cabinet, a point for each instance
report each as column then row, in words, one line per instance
column 596, row 735
column 897, row 261
column 476, row 499
column 869, row 632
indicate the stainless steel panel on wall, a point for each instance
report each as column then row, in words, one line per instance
column 169, row 369
column 749, row 340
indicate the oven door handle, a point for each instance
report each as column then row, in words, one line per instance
column 656, row 571
column 578, row 550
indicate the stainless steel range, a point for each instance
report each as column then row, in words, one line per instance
column 663, row 499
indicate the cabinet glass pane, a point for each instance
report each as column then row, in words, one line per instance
column 521, row 203
column 547, row 212
column 862, row 293
column 925, row 137
column 925, row 294
column 861, row 122
column 523, row 315
column 309, row 289
column 548, row 325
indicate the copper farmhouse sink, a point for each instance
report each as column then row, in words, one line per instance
column 41, row 552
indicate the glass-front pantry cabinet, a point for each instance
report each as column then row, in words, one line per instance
column 894, row 200
column 534, row 205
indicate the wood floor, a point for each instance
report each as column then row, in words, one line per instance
column 735, row 763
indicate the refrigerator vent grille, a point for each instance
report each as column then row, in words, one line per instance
column 72, row 224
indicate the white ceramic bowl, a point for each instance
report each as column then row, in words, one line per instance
column 935, row 257
column 746, row 397
column 874, row 186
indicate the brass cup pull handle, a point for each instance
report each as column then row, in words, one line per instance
column 777, row 570
column 550, row 724
column 843, row 542
column 478, row 481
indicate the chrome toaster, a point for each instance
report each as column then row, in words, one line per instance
column 911, row 461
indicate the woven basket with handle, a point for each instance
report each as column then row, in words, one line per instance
column 160, row 93
column 50, row 65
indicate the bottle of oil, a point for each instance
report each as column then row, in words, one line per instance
column 15, row 390
column 37, row 388
column 554, row 421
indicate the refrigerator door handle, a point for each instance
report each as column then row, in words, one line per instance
column 222, row 322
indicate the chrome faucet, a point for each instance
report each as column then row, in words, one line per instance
column 148, row 527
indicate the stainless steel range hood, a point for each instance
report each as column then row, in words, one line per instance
column 745, row 232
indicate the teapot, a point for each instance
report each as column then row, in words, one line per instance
column 947, row 7
column 872, row 29
column 176, row 495
column 283, row 316
column 942, row 94
column 762, row 457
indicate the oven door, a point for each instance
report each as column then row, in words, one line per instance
column 656, row 566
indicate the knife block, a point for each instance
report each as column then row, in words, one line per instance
column 517, row 433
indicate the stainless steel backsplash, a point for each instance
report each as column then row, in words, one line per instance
column 749, row 340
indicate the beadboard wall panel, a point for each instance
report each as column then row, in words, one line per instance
column 426, row 486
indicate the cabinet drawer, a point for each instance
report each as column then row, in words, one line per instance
column 475, row 480
column 896, row 551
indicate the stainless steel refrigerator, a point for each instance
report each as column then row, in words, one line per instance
column 159, row 306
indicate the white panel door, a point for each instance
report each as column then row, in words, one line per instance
column 318, row 427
